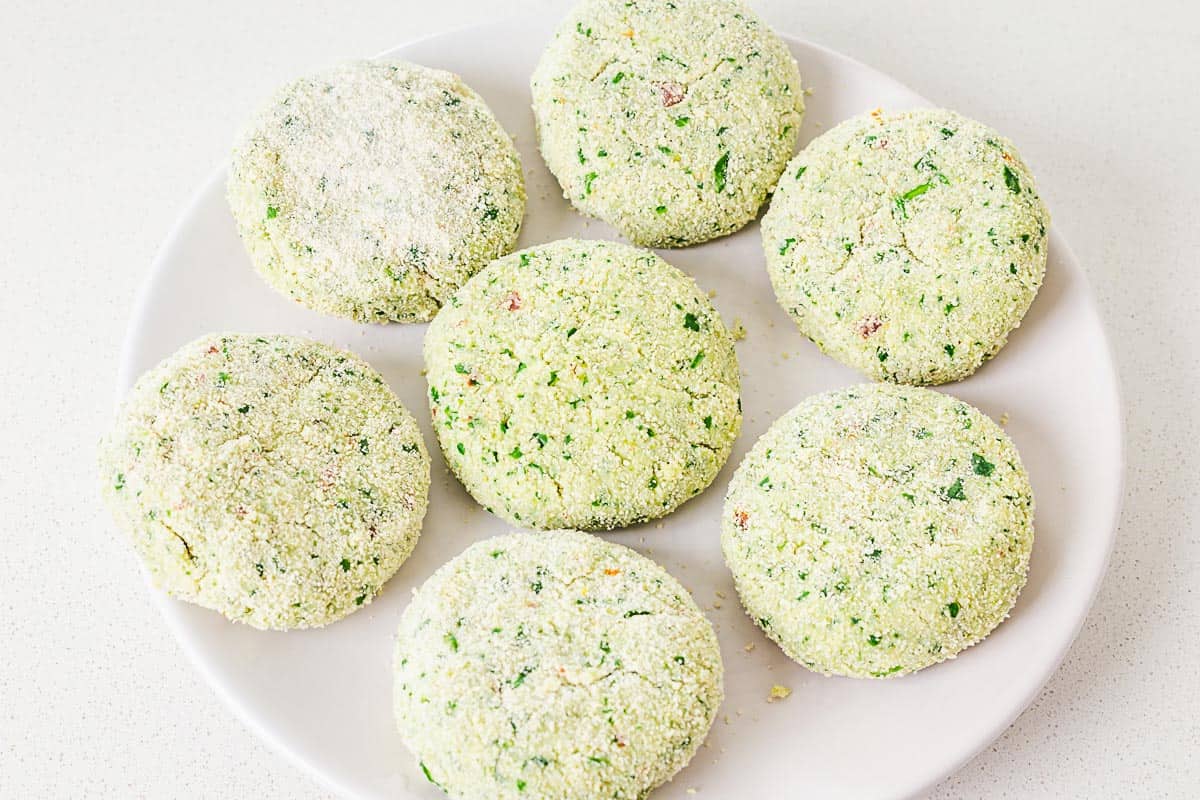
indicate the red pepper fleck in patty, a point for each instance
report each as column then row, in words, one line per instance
column 671, row 92
column 868, row 325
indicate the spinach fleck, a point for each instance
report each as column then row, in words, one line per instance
column 981, row 466
column 1011, row 180
column 719, row 171
column 955, row 491
column 917, row 191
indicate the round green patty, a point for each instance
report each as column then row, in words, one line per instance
column 375, row 189
column 554, row 665
column 582, row 384
column 907, row 245
column 876, row 530
column 669, row 120
column 270, row 478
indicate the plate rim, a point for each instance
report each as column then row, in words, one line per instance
column 168, row 606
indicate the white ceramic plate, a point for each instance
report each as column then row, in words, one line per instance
column 323, row 697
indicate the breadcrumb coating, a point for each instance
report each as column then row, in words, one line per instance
column 375, row 189
column 877, row 530
column 271, row 478
column 908, row 245
column 554, row 665
column 582, row 383
column 670, row 121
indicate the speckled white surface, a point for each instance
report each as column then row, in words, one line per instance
column 114, row 113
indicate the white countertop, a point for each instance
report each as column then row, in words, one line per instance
column 111, row 114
